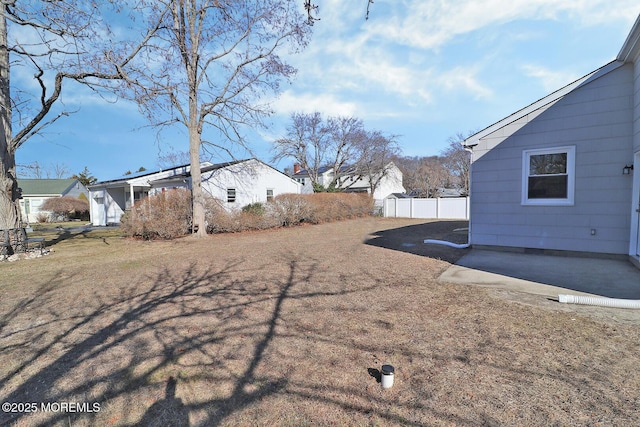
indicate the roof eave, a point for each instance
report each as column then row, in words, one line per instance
column 474, row 139
column 631, row 47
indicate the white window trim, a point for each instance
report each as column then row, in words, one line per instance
column 571, row 181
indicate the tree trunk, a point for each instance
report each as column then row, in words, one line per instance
column 197, row 195
column 199, row 225
column 9, row 195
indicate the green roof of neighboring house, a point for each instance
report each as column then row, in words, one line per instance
column 41, row 187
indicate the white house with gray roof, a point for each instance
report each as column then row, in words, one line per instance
column 564, row 172
column 389, row 181
column 235, row 184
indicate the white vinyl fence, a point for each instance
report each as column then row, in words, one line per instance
column 450, row 208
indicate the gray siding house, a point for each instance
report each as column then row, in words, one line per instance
column 564, row 172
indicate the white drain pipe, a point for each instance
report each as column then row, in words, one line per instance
column 599, row 301
column 444, row 242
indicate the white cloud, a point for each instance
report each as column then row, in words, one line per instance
column 290, row 102
column 465, row 78
column 349, row 53
column 430, row 25
column 550, row 80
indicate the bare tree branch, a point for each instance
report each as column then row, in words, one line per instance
column 56, row 41
column 207, row 66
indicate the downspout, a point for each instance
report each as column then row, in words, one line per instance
column 445, row 243
column 599, row 301
column 470, row 150
column 451, row 244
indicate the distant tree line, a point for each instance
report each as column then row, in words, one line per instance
column 429, row 176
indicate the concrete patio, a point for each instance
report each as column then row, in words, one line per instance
column 547, row 275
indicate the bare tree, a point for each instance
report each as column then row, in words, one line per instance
column 207, row 67
column 318, row 145
column 31, row 170
column 54, row 42
column 306, row 143
column 173, row 159
column 35, row 170
column 59, row 171
column 376, row 152
column 346, row 135
column 312, row 8
column 458, row 161
column 423, row 176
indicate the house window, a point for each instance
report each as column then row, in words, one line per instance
column 548, row 176
column 36, row 205
column 269, row 194
column 231, row 195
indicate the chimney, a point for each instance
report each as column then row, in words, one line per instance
column 296, row 168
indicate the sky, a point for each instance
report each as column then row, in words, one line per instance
column 424, row 70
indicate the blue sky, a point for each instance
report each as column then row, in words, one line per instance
column 425, row 70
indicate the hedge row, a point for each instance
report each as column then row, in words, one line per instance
column 168, row 215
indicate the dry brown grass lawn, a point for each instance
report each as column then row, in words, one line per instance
column 282, row 328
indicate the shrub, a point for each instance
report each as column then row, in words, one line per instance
column 254, row 208
column 168, row 215
column 337, row 206
column 165, row 215
column 252, row 217
column 67, row 207
column 42, row 217
column 290, row 209
column 217, row 218
column 319, row 188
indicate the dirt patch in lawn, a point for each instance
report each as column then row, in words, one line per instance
column 286, row 327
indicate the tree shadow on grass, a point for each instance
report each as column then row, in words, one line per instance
column 144, row 348
column 53, row 236
column 181, row 326
column 169, row 408
column 411, row 239
column 137, row 319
